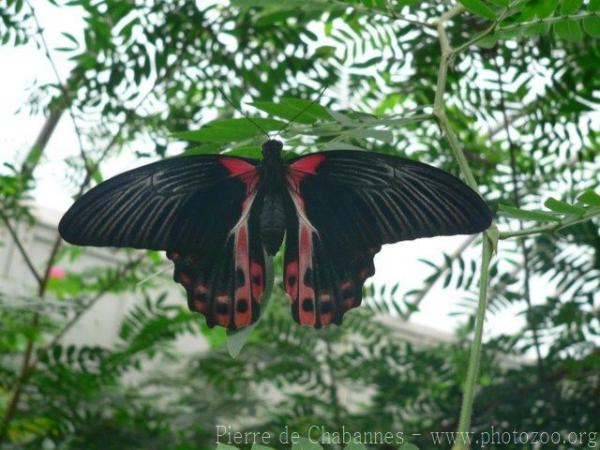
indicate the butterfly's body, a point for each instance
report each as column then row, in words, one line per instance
column 218, row 216
column 274, row 197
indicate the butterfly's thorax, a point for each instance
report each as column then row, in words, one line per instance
column 273, row 197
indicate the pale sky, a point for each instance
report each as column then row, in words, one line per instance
column 28, row 66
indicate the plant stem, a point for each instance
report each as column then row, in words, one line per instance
column 549, row 20
column 22, row 251
column 13, row 401
column 488, row 243
column 439, row 107
column 37, row 149
column 473, row 372
column 551, row 228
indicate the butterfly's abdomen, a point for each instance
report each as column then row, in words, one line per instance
column 272, row 222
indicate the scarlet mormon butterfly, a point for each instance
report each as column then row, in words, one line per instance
column 219, row 217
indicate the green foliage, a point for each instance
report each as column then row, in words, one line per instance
column 522, row 98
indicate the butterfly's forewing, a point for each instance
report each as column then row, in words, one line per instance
column 199, row 209
column 347, row 205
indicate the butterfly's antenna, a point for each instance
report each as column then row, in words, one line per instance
column 242, row 113
column 303, row 110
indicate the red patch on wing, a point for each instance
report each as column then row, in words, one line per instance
column 306, row 293
column 243, row 302
column 298, row 170
column 236, row 166
column 308, row 164
column 244, row 170
column 258, row 280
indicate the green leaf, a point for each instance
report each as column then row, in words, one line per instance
column 479, row 8
column 591, row 25
column 202, row 149
column 229, row 130
column 247, row 151
column 305, row 444
column 342, row 119
column 590, row 198
column 261, row 447
column 563, row 207
column 296, row 109
column 569, row 30
column 270, row 17
column 236, row 340
column 368, row 63
column 570, row 7
column 70, row 37
column 594, row 6
column 226, row 447
column 340, row 145
column 363, row 133
column 488, row 41
column 539, row 216
column 308, row 107
column 544, row 8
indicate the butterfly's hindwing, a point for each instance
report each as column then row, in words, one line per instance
column 224, row 276
column 347, row 204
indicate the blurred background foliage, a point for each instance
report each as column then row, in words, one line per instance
column 521, row 94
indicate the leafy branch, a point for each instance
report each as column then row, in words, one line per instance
column 440, row 111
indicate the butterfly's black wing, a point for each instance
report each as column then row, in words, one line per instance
column 346, row 205
column 198, row 209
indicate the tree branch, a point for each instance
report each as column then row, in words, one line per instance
column 22, row 250
column 65, row 92
column 466, row 410
column 488, row 240
column 551, row 228
column 25, row 371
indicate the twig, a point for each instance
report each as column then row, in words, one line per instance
column 466, row 410
column 495, row 26
column 25, row 371
column 549, row 20
column 99, row 295
column 439, row 107
column 14, row 398
column 36, row 150
column 553, row 227
column 28, row 365
column 62, row 87
column 22, row 250
column 488, row 240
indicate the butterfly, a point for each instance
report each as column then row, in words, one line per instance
column 219, row 217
